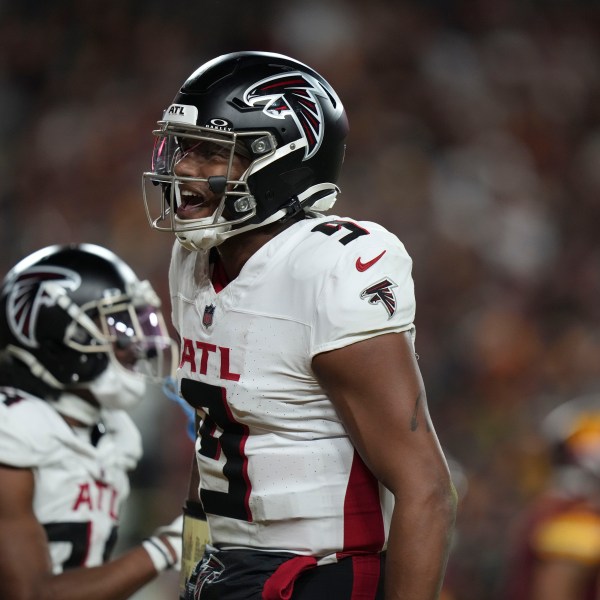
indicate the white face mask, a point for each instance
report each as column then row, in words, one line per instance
column 118, row 388
column 202, row 239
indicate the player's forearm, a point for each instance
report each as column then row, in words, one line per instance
column 116, row 580
column 418, row 546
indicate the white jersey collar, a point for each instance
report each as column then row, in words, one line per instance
column 70, row 405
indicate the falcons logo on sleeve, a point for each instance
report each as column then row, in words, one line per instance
column 293, row 94
column 29, row 293
column 381, row 293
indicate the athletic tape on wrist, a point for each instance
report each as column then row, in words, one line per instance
column 160, row 555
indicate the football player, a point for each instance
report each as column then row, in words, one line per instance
column 319, row 468
column 557, row 549
column 80, row 338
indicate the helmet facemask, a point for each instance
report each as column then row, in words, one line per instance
column 132, row 332
column 129, row 327
column 237, row 205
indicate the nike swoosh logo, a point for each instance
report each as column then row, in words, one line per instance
column 363, row 266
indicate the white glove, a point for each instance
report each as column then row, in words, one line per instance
column 164, row 546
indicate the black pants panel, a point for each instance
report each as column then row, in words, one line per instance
column 243, row 574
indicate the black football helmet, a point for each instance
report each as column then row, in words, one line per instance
column 275, row 111
column 65, row 311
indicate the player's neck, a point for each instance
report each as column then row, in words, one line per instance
column 236, row 251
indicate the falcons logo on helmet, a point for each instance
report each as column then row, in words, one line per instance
column 29, row 293
column 292, row 94
column 381, row 293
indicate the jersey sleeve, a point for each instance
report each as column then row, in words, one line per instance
column 26, row 425
column 368, row 292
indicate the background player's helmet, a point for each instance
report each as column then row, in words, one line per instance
column 278, row 113
column 573, row 431
column 71, row 312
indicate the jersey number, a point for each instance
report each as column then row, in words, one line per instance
column 231, row 443
column 330, row 227
column 78, row 535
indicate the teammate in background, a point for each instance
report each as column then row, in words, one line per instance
column 80, row 336
column 319, row 466
column 557, row 551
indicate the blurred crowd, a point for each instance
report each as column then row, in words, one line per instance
column 475, row 137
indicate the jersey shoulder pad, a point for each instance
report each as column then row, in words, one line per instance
column 366, row 287
column 29, row 429
column 326, row 243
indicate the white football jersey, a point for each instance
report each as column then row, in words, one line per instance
column 79, row 487
column 277, row 469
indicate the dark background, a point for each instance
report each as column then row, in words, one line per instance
column 475, row 137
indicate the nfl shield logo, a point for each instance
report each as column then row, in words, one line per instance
column 207, row 318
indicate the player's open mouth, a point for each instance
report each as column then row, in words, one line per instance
column 190, row 199
column 194, row 205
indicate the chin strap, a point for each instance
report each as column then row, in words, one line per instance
column 216, row 237
column 324, row 203
column 67, row 404
column 320, row 205
column 70, row 405
column 37, row 369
